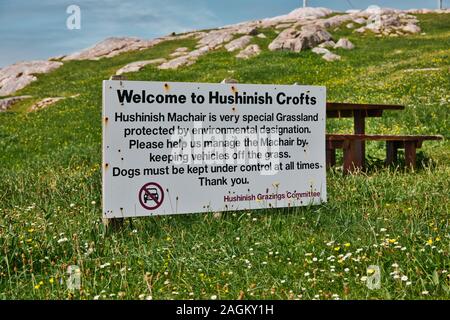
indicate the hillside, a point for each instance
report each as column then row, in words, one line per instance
column 50, row 178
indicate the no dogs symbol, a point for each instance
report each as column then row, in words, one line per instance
column 151, row 196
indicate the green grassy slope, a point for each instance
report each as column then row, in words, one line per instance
column 50, row 188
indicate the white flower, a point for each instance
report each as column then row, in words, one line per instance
column 408, row 283
column 96, row 297
column 396, row 276
column 283, row 281
column 314, row 259
column 213, row 297
column 149, row 298
column 264, row 262
column 346, row 269
column 306, row 274
column 404, row 278
column 425, row 292
column 105, row 265
column 92, row 202
column 395, row 265
column 72, row 205
column 238, row 238
column 62, row 240
column 363, row 278
column 383, row 230
column 141, row 296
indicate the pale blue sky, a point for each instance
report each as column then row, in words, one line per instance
column 36, row 29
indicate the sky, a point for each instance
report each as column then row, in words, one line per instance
column 36, row 29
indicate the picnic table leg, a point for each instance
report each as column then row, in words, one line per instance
column 391, row 152
column 410, row 154
column 360, row 147
column 331, row 157
column 352, row 158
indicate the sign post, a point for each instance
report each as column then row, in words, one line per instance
column 171, row 148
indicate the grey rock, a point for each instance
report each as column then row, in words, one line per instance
column 319, row 50
column 327, row 44
column 138, row 65
column 238, row 43
column 411, row 28
column 111, row 47
column 7, row 103
column 19, row 75
column 331, row 57
column 44, row 103
column 344, row 43
column 251, row 51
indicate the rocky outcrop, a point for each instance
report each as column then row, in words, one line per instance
column 19, row 75
column 44, row 103
column 319, row 50
column 111, row 47
column 7, row 103
column 388, row 21
column 238, row 43
column 294, row 40
column 251, row 51
column 331, row 56
column 138, row 65
column 344, row 43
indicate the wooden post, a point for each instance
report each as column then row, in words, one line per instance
column 360, row 146
column 331, row 156
column 410, row 154
column 114, row 224
column 391, row 152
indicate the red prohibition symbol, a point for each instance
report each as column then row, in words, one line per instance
column 151, row 196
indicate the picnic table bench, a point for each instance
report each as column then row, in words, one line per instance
column 352, row 160
column 353, row 145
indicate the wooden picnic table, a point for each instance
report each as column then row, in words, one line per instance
column 359, row 112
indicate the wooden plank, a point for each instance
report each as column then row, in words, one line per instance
column 350, row 113
column 334, row 106
column 381, row 137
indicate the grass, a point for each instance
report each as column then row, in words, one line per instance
column 50, row 189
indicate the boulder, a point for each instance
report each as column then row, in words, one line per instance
column 238, row 43
column 331, row 56
column 344, row 43
column 294, row 40
column 138, row 65
column 319, row 50
column 303, row 13
column 327, row 44
column 411, row 28
column 215, row 38
column 19, row 75
column 251, row 51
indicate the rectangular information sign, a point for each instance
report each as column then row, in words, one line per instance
column 171, row 147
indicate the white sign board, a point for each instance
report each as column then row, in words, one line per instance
column 197, row 147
